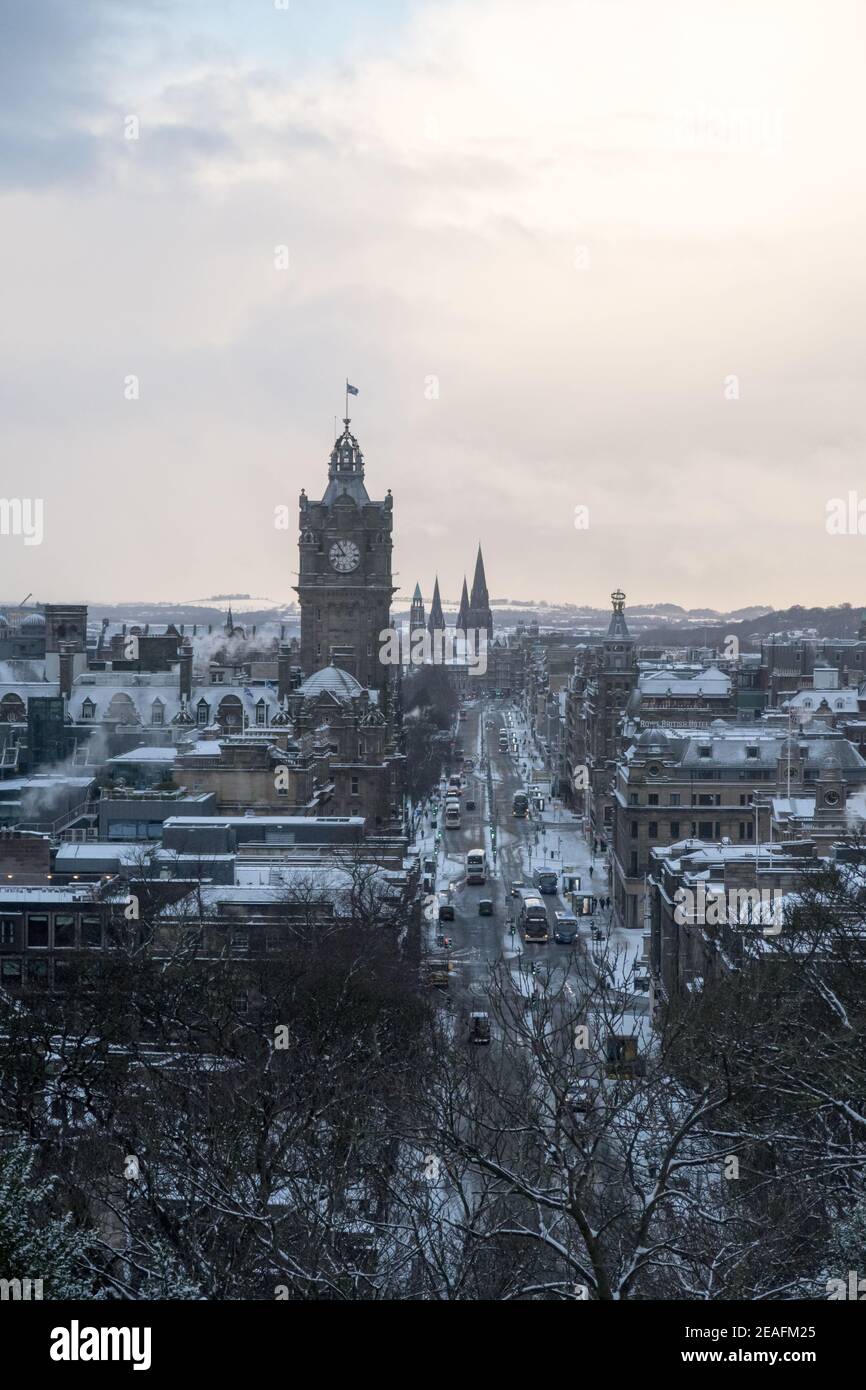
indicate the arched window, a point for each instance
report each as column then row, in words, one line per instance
column 261, row 712
column 157, row 712
column 12, row 709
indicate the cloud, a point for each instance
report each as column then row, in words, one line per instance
column 578, row 223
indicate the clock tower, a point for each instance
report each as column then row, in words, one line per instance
column 344, row 573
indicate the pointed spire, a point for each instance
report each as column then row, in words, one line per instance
column 416, row 612
column 437, row 617
column 480, row 616
column 479, row 597
column 463, row 614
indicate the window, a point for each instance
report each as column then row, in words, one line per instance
column 37, row 931
column 7, row 931
column 356, row 787
column 261, row 712
column 653, row 829
column 64, row 930
column 705, row 829
column 653, row 799
column 157, row 712
column 91, row 930
column 633, row 829
column 705, row 750
column 675, row 830
column 633, row 863
column 747, row 830
column 746, row 798
column 675, row 799
column 632, row 798
column 37, row 974
column 88, row 710
column 202, row 712
column 752, row 751
column 10, row 972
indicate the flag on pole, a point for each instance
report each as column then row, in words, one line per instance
column 352, row 390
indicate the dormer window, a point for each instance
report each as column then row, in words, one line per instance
column 157, row 712
column 261, row 712
column 751, row 751
column 88, row 710
column 705, row 750
column 202, row 712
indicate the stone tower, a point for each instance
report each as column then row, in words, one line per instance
column 344, row 573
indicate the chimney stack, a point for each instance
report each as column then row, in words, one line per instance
column 186, row 670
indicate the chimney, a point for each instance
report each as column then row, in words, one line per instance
column 67, row 667
column 186, row 670
column 284, row 671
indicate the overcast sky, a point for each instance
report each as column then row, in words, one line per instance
column 574, row 255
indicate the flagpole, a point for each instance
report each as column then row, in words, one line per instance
column 346, row 416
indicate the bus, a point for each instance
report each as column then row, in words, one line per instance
column 546, row 880
column 452, row 815
column 476, row 866
column 533, row 919
column 520, row 805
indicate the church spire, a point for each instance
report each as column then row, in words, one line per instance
column 480, row 616
column 463, row 614
column 478, row 597
column 437, row 617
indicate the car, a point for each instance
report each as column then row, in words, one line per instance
column 470, row 805
column 446, row 908
column 485, row 907
column 517, row 887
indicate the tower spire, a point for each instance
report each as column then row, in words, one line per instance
column 437, row 617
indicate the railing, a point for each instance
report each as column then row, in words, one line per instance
column 54, row 827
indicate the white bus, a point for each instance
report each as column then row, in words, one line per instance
column 476, row 866
column 452, row 815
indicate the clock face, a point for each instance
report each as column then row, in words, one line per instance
column 344, row 556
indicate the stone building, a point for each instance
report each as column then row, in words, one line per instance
column 344, row 580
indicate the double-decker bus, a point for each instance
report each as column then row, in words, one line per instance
column 476, row 866
column 520, row 805
column 533, row 919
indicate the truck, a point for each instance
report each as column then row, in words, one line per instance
column 520, row 805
